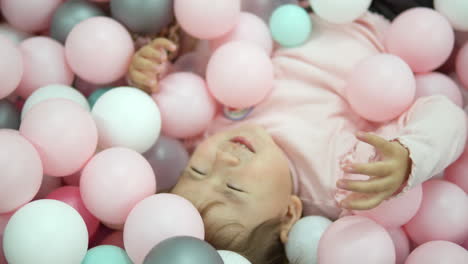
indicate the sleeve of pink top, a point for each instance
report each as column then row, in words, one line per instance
column 434, row 130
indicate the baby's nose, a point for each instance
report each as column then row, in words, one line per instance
column 227, row 158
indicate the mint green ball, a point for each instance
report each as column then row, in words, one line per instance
column 92, row 99
column 106, row 255
column 290, row 25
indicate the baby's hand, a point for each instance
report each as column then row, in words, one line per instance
column 150, row 64
column 387, row 175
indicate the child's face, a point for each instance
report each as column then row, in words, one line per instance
column 236, row 188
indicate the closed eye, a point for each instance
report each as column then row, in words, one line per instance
column 234, row 188
column 197, row 171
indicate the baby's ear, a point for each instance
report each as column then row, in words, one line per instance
column 293, row 214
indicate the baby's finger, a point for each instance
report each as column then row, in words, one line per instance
column 143, row 64
column 164, row 43
column 381, row 144
column 150, row 53
column 139, row 79
column 373, row 185
column 378, row 169
column 358, row 201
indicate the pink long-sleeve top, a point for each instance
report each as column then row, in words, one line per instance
column 309, row 118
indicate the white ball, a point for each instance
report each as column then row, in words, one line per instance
column 127, row 117
column 340, row 11
column 456, row 11
column 230, row 257
column 54, row 91
column 304, row 237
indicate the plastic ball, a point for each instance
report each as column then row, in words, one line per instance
column 40, row 233
column 462, row 65
column 54, row 91
column 29, row 16
column 381, row 87
column 290, row 25
column 114, row 239
column 455, row 11
column 240, row 74
column 94, row 96
column 435, row 252
column 22, row 172
column 456, row 172
column 203, row 20
column 230, row 257
column 13, row 34
column 438, row 84
column 48, row 185
column 421, row 37
column 443, row 214
column 106, row 255
column 124, row 112
column 264, row 8
column 9, row 115
column 99, row 50
column 339, row 11
column 401, row 243
column 64, row 134
column 11, row 67
column 106, row 189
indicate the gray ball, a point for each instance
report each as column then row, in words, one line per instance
column 69, row 14
column 9, row 116
column 143, row 16
column 183, row 250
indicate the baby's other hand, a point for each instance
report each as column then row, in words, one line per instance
column 386, row 176
column 150, row 64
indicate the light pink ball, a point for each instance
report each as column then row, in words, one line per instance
column 99, row 50
column 356, row 240
column 462, row 65
column 11, row 67
column 158, row 218
column 437, row 252
column 44, row 64
column 438, row 84
column 422, row 37
column 443, row 214
column 381, row 88
column 240, row 74
column 186, row 106
column 21, row 171
column 397, row 211
column 64, row 134
column 249, row 28
column 205, row 20
column 457, row 171
column 114, row 181
column 29, row 16
column 401, row 243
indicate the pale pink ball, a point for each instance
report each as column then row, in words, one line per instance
column 11, row 67
column 457, row 172
column 29, row 16
column 240, row 74
column 381, row 87
column 443, row 214
column 438, row 252
column 64, row 134
column 438, row 84
column 99, row 50
column 396, row 211
column 422, row 37
column 205, row 20
column 21, row 171
column 114, row 181
column 158, row 218
column 401, row 243
column 186, row 106
column 356, row 240
column 249, row 28
column 44, row 64
column 462, row 65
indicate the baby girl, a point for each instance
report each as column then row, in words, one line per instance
column 303, row 151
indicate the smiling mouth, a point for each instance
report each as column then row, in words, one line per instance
column 243, row 142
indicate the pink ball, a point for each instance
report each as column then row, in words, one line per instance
column 71, row 196
column 49, row 184
column 114, row 181
column 349, row 240
column 249, row 28
column 99, row 50
column 186, row 106
column 457, row 171
column 114, row 239
column 44, row 64
column 29, row 16
column 240, row 74
column 2, row 255
column 205, row 20
column 465, row 244
column 443, row 214
column 422, row 37
column 158, row 218
column 437, row 252
column 397, row 211
column 462, row 65
column 64, row 134
column 401, row 243
column 438, row 84
column 21, row 171
column 11, row 67
column 73, row 180
column 381, row 88
column 4, row 218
